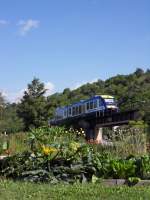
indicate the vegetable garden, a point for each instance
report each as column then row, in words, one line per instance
column 57, row 155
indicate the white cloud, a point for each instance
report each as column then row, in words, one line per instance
column 77, row 85
column 18, row 96
column 93, row 80
column 3, row 93
column 50, row 88
column 3, row 22
column 15, row 97
column 28, row 25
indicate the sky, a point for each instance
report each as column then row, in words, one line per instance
column 66, row 43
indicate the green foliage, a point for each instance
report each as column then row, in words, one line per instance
column 129, row 140
column 122, row 168
column 33, row 107
column 59, row 155
column 21, row 165
column 50, row 135
column 9, row 120
column 143, row 167
column 16, row 143
column 131, row 91
column 65, row 141
column 133, row 180
column 37, row 167
column 111, row 167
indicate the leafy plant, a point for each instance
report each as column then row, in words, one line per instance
column 122, row 168
column 133, row 181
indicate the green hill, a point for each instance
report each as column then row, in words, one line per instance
column 131, row 91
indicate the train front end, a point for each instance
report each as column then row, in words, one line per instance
column 110, row 103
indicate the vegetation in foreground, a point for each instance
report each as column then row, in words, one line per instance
column 23, row 190
column 58, row 155
column 64, row 167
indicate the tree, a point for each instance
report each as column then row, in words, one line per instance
column 32, row 108
column 139, row 72
column 66, row 91
column 10, row 122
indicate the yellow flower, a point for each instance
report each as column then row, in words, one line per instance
column 48, row 150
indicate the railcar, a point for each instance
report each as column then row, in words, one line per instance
column 97, row 103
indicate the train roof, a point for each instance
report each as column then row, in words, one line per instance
column 106, row 96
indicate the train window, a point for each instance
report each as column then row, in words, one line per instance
column 91, row 104
column 73, row 111
column 69, row 111
column 76, row 110
column 88, row 106
column 100, row 102
column 95, row 104
column 65, row 113
column 80, row 109
column 83, row 108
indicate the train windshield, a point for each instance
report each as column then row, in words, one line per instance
column 110, row 101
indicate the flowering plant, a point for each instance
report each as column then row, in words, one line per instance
column 49, row 152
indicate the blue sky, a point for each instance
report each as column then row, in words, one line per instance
column 69, row 42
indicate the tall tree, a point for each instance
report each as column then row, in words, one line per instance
column 139, row 72
column 32, row 108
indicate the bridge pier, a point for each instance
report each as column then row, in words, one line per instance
column 98, row 136
column 94, row 134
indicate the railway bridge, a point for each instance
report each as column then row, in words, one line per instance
column 93, row 124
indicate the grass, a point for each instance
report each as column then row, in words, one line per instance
column 17, row 142
column 23, row 190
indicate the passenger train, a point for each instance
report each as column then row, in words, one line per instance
column 97, row 103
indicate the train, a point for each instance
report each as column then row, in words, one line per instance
column 95, row 104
